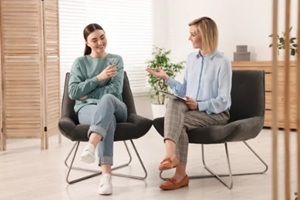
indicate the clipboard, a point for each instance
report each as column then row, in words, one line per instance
column 172, row 96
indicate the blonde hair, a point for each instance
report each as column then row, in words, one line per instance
column 208, row 31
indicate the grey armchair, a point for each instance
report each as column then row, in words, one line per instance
column 135, row 127
column 246, row 121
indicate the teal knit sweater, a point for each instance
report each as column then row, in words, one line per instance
column 83, row 79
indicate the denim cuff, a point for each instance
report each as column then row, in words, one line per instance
column 97, row 129
column 105, row 160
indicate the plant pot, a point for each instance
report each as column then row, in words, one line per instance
column 158, row 110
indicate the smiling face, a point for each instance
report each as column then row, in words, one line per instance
column 204, row 35
column 97, row 41
column 195, row 37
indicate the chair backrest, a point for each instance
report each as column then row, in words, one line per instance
column 67, row 106
column 247, row 94
column 127, row 95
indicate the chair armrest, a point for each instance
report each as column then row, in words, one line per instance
column 66, row 125
column 136, row 119
column 136, row 126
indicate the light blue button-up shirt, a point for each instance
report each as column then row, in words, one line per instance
column 207, row 80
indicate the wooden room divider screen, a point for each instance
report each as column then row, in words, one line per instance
column 30, row 95
column 291, row 87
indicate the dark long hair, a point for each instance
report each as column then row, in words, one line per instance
column 86, row 32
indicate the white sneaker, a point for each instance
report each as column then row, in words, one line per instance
column 105, row 186
column 88, row 154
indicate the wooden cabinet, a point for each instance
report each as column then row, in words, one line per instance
column 29, row 69
column 267, row 67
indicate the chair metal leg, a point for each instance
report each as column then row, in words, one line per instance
column 71, row 167
column 228, row 184
column 141, row 163
column 96, row 173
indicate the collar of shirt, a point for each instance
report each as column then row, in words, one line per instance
column 207, row 56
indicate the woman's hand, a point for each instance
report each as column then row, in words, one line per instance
column 83, row 98
column 191, row 103
column 108, row 72
column 158, row 73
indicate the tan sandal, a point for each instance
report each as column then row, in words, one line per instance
column 171, row 184
column 168, row 164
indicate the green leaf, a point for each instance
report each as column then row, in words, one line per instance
column 281, row 40
column 293, row 52
column 160, row 58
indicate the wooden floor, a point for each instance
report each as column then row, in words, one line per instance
column 28, row 173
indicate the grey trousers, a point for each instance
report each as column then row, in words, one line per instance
column 179, row 119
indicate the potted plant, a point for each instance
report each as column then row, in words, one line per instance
column 160, row 58
column 281, row 41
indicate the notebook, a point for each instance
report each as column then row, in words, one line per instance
column 172, row 96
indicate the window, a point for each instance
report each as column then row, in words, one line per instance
column 129, row 28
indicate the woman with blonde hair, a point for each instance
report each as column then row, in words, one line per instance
column 206, row 87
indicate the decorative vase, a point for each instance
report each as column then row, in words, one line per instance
column 158, row 110
column 241, row 53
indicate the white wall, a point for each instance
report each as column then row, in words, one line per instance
column 239, row 22
column 160, row 22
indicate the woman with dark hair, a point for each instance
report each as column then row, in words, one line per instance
column 206, row 87
column 96, row 83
